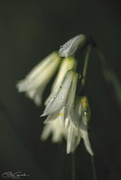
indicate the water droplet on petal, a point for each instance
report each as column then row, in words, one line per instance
column 78, row 75
column 61, row 86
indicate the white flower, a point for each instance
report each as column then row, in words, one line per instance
column 71, row 46
column 66, row 65
column 56, row 128
column 81, row 115
column 62, row 106
column 36, row 81
column 61, row 99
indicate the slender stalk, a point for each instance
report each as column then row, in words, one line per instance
column 73, row 165
column 101, row 57
column 85, row 65
column 59, row 162
column 93, row 168
column 110, row 76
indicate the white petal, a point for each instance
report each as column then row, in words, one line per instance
column 81, row 111
column 66, row 65
column 73, row 139
column 70, row 101
column 53, row 96
column 74, row 112
column 36, row 94
column 42, row 66
column 71, row 46
column 52, row 117
column 58, row 99
column 56, row 128
column 79, row 118
column 59, row 133
column 84, row 135
column 46, row 132
column 83, row 123
column 62, row 114
column 73, row 118
column 42, row 73
column 36, row 81
column 66, row 121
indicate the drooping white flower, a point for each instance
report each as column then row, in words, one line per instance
column 57, row 103
column 56, row 128
column 59, row 98
column 66, row 65
column 81, row 115
column 71, row 46
column 36, row 81
column 74, row 113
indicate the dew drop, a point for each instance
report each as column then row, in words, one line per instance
column 78, row 75
column 61, row 86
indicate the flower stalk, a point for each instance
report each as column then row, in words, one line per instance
column 86, row 65
column 110, row 76
column 73, row 165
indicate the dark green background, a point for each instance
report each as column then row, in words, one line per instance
column 29, row 31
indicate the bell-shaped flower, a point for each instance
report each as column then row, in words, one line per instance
column 81, row 115
column 70, row 47
column 57, row 103
column 64, row 93
column 62, row 106
column 56, row 128
column 66, row 65
column 35, row 82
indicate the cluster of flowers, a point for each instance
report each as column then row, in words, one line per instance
column 67, row 114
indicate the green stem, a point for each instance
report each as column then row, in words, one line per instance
column 101, row 57
column 59, row 162
column 93, row 168
column 73, row 165
column 110, row 76
column 85, row 65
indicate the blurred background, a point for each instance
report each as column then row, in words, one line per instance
column 29, row 31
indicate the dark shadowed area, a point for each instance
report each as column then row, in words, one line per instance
column 29, row 31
